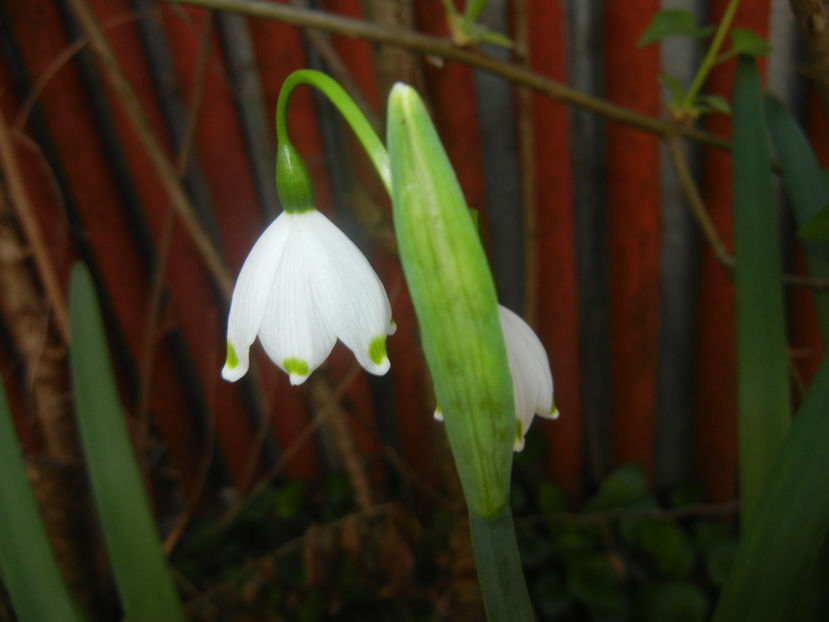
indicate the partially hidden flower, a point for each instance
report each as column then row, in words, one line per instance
column 532, row 380
column 303, row 286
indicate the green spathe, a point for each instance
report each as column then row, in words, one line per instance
column 293, row 183
column 455, row 302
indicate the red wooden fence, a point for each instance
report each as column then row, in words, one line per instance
column 83, row 196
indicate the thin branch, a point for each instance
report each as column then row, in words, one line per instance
column 24, row 210
column 695, row 203
column 525, row 135
column 444, row 48
column 709, row 232
column 163, row 167
column 57, row 63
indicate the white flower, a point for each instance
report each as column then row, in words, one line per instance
column 532, row 380
column 303, row 285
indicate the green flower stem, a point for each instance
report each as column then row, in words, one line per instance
column 352, row 114
column 711, row 55
column 499, row 567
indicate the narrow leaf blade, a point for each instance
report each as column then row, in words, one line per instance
column 27, row 562
column 762, row 358
column 808, row 193
column 144, row 582
column 748, row 43
column 782, row 541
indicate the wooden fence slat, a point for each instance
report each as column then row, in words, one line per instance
column 633, row 232
column 91, row 192
column 557, row 306
column 191, row 292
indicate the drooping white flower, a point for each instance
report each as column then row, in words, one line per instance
column 532, row 380
column 303, row 286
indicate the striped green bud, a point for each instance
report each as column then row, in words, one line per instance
column 454, row 298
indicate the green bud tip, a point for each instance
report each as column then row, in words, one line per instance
column 293, row 183
column 377, row 350
column 519, row 430
column 295, row 367
column 232, row 360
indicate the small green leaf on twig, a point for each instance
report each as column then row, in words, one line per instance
column 747, row 42
column 712, row 103
column 673, row 22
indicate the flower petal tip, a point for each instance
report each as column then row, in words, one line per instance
column 438, row 415
column 296, row 369
column 378, row 363
column 232, row 374
column 233, row 369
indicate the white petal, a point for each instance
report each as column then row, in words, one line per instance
column 251, row 293
column 532, row 380
column 293, row 331
column 348, row 293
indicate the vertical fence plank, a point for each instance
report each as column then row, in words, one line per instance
column 557, row 305
column 633, row 228
column 67, row 137
column 679, row 257
column 192, row 294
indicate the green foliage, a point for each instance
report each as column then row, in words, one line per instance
column 763, row 397
column 673, row 22
column 817, row 227
column 782, row 541
column 687, row 104
column 674, row 601
column 747, row 43
column 27, row 563
column 781, row 566
column 144, row 582
column 808, row 191
column 454, row 298
column 624, row 487
column 631, row 556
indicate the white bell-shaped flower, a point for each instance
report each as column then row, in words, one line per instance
column 303, row 286
column 532, row 380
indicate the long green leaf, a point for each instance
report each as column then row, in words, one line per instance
column 808, row 193
column 762, row 364
column 144, row 582
column 27, row 564
column 790, row 521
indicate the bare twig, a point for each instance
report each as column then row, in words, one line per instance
column 58, row 62
column 444, row 48
column 695, row 203
column 163, row 167
column 24, row 212
column 525, row 131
